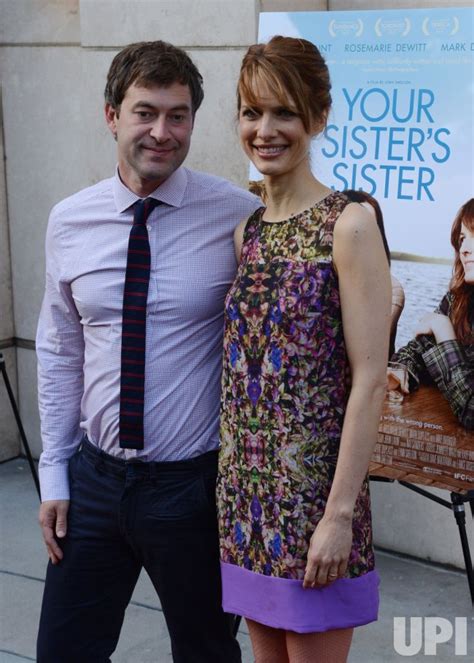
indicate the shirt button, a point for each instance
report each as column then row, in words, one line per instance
column 148, row 227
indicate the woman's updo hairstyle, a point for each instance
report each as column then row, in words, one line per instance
column 289, row 67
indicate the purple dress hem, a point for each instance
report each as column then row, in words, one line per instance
column 282, row 603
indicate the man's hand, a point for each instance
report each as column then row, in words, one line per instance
column 53, row 522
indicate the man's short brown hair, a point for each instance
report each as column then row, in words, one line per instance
column 149, row 63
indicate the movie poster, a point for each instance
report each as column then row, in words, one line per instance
column 401, row 129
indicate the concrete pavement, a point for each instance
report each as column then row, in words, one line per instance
column 409, row 589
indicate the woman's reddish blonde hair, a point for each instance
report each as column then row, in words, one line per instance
column 462, row 309
column 290, row 67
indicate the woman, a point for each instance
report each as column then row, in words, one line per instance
column 306, row 341
column 443, row 350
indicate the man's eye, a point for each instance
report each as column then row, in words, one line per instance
column 144, row 114
column 177, row 117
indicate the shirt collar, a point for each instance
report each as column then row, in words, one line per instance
column 171, row 192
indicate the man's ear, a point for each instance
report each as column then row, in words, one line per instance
column 111, row 116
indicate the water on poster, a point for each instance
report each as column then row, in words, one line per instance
column 424, row 284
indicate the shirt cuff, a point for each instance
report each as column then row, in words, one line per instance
column 54, row 482
column 443, row 358
column 413, row 380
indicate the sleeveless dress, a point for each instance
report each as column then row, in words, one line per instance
column 285, row 385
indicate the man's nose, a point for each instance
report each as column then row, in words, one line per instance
column 159, row 130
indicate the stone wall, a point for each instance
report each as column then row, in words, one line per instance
column 9, row 439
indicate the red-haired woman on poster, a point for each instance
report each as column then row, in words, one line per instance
column 443, row 350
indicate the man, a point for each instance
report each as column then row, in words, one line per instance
column 138, row 267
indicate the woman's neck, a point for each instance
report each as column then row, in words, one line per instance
column 291, row 193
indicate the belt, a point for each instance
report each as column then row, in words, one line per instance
column 118, row 466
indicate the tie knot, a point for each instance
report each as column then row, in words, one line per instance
column 143, row 209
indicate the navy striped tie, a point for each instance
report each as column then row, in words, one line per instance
column 132, row 376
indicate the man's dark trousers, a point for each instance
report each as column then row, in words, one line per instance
column 122, row 516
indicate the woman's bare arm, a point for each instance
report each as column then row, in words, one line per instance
column 365, row 292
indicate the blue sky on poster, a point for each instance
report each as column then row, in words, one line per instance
column 401, row 127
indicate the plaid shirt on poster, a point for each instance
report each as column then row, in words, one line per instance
column 450, row 365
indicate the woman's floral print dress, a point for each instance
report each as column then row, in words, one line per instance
column 285, row 385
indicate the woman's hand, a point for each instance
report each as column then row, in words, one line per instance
column 397, row 378
column 328, row 552
column 437, row 325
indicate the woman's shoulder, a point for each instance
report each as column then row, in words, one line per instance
column 446, row 304
column 247, row 226
column 245, row 231
column 353, row 218
column 336, row 204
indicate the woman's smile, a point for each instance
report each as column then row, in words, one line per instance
column 269, row 151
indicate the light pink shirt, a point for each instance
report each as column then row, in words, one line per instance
column 79, row 331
